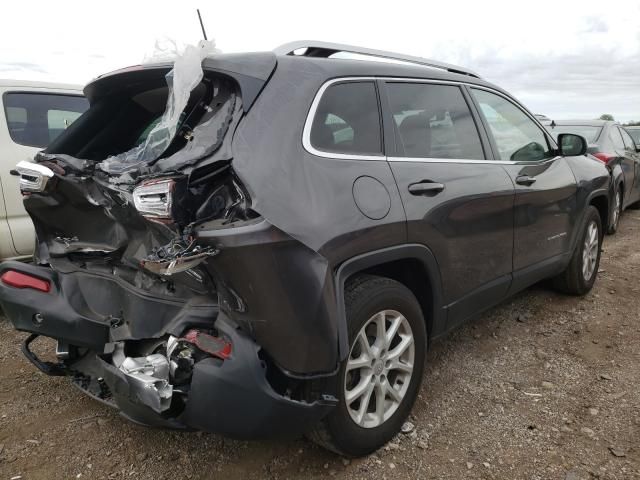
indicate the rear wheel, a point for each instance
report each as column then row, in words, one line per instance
column 616, row 213
column 379, row 381
column 581, row 273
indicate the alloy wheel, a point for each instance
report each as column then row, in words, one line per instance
column 617, row 211
column 379, row 368
column 590, row 251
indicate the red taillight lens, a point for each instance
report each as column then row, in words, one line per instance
column 20, row 280
column 604, row 157
column 208, row 343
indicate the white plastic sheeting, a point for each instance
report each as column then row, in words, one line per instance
column 182, row 79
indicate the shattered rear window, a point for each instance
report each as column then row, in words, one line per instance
column 149, row 120
column 116, row 131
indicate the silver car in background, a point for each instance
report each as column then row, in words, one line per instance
column 32, row 115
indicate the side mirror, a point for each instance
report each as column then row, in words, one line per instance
column 572, row 145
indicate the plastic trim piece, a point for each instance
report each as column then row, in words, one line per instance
column 329, row 48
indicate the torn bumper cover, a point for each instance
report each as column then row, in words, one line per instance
column 231, row 397
column 228, row 389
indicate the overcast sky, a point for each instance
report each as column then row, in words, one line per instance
column 574, row 59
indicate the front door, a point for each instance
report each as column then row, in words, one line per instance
column 545, row 203
column 458, row 203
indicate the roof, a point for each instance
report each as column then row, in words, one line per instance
column 260, row 64
column 32, row 84
column 339, row 67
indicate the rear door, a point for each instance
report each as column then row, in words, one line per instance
column 30, row 121
column 545, row 210
column 458, row 203
column 634, row 157
column 626, row 163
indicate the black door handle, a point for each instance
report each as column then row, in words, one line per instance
column 525, row 180
column 426, row 187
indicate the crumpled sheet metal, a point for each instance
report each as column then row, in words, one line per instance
column 202, row 145
column 182, row 79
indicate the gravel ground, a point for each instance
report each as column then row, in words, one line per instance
column 542, row 387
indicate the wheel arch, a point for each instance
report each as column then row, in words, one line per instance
column 413, row 265
column 602, row 204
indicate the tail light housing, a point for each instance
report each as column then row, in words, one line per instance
column 154, row 199
column 604, row 157
column 33, row 176
column 22, row 280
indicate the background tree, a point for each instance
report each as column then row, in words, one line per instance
column 606, row 116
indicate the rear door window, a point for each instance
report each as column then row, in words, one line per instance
column 35, row 119
column 433, row 121
column 347, row 120
column 516, row 135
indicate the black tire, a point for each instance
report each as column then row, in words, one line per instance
column 572, row 281
column 613, row 228
column 364, row 297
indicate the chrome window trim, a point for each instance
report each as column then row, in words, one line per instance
column 306, row 132
column 472, row 161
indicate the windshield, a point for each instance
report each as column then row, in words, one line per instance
column 589, row 132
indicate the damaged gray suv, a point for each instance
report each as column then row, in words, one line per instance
column 267, row 247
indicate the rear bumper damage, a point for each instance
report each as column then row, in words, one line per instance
column 191, row 367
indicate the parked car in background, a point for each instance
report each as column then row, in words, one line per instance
column 634, row 131
column 32, row 115
column 275, row 260
column 610, row 143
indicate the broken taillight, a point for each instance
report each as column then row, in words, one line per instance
column 21, row 280
column 215, row 346
column 153, row 199
column 33, row 176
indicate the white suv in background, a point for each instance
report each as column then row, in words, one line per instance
column 31, row 116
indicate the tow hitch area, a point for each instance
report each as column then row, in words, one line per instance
column 53, row 369
column 152, row 377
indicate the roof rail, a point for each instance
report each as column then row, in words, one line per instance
column 326, row 49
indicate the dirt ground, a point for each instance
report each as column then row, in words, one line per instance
column 542, row 387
